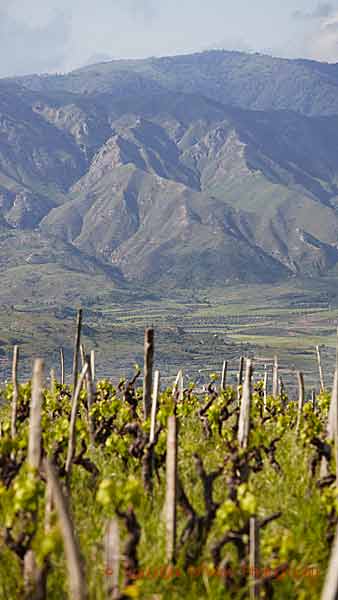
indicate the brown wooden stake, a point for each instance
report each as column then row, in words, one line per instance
column 83, row 355
column 330, row 588
column 33, row 460
column 148, row 370
column 332, row 416
column 62, row 365
column 224, row 376
column 254, row 559
column 275, row 378
column 244, row 416
column 112, row 558
column 156, row 393
column 240, row 378
column 15, row 390
column 171, row 490
column 77, row 347
column 92, row 364
column 301, row 397
column 313, row 400
column 265, row 386
column 72, row 425
column 76, row 579
column 320, row 369
column 34, row 439
column 90, row 397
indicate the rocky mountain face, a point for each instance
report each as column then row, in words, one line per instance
column 191, row 171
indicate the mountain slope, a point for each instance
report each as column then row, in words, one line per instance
column 142, row 171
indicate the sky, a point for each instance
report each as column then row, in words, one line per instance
column 40, row 36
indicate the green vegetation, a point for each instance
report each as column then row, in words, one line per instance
column 277, row 473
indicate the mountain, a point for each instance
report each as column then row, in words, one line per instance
column 194, row 171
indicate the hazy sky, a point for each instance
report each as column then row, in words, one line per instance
column 58, row 35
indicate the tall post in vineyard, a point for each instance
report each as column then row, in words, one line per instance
column 320, row 369
column 148, row 370
column 92, row 364
column 244, row 416
column 154, row 405
column 72, row 425
column 15, row 390
column 224, row 376
column 76, row 578
column 301, row 397
column 275, row 378
column 171, row 490
column 34, row 439
column 77, row 344
column 254, row 558
column 330, row 589
column 112, row 558
column 240, row 378
column 265, row 386
column 33, row 460
column 62, row 366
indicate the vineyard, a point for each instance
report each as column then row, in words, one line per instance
column 137, row 490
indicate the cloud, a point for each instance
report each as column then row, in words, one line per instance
column 24, row 46
column 321, row 11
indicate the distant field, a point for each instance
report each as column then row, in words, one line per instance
column 195, row 330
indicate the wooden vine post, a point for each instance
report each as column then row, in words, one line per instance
column 320, row 369
column 254, row 559
column 72, row 430
column 275, row 378
column 301, row 398
column 92, row 364
column 244, row 416
column 240, row 378
column 148, row 370
column 62, row 366
column 77, row 344
column 112, row 558
column 156, row 393
column 33, row 460
column 15, row 390
column 224, row 376
column 265, row 386
column 171, row 490
column 76, row 579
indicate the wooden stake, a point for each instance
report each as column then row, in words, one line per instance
column 332, row 416
column 320, row 369
column 72, row 431
column 148, row 370
column 265, row 386
column 244, row 417
column 83, row 355
column 34, row 439
column 76, row 579
column 301, row 396
column 92, row 364
column 330, row 589
column 275, row 378
column 62, row 365
column 15, row 390
column 240, row 377
column 171, row 489
column 112, row 558
column 90, row 396
column 313, row 399
column 254, row 558
column 224, row 376
column 77, row 347
column 156, row 392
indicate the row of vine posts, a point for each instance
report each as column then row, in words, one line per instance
column 58, row 495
